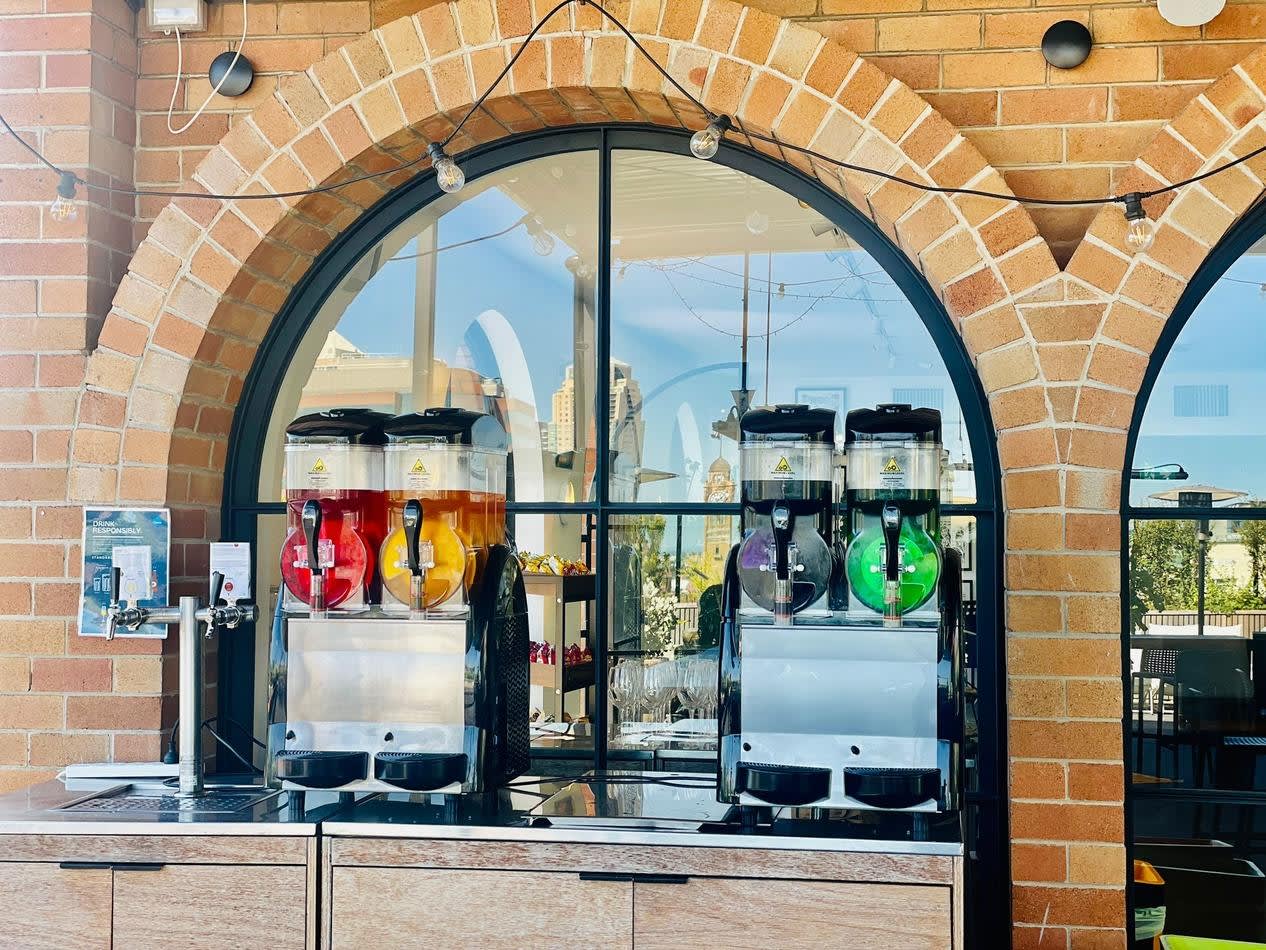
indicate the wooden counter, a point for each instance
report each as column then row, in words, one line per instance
column 419, row 892
column 152, row 892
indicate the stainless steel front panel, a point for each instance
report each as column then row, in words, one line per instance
column 836, row 696
column 351, row 683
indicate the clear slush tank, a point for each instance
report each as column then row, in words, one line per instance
column 893, row 499
column 452, row 461
column 334, row 458
column 787, row 489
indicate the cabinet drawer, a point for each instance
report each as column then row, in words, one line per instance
column 211, row 906
column 46, row 907
column 480, row 910
column 731, row 913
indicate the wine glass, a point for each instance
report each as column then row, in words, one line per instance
column 699, row 674
column 626, row 688
column 659, row 689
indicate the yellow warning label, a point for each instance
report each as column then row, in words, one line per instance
column 783, row 467
column 892, row 467
column 418, row 468
column 318, row 467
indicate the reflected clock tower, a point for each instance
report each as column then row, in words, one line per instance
column 717, row 529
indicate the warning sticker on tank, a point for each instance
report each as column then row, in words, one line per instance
column 892, row 474
column 318, row 473
column 419, row 474
column 783, row 470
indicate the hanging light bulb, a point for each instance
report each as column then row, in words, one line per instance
column 542, row 240
column 705, row 142
column 624, row 270
column 447, row 173
column 64, row 207
column 1261, row 291
column 757, row 222
column 1140, row 232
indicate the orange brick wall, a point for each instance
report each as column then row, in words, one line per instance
column 1060, row 328
column 1051, row 132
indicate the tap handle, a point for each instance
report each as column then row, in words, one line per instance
column 116, row 582
column 891, row 520
column 783, row 523
column 217, row 585
column 311, row 530
column 412, row 520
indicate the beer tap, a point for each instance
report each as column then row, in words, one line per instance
column 311, row 531
column 118, row 615
column 421, row 557
column 891, row 521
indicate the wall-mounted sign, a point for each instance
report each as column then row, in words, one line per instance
column 233, row 560
column 138, row 542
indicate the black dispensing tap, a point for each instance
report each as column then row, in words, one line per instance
column 411, row 521
column 311, row 519
column 783, row 523
column 890, row 519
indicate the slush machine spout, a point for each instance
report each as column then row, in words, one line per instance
column 783, row 524
column 891, row 520
column 420, row 555
column 311, row 534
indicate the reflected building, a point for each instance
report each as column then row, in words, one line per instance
column 719, row 489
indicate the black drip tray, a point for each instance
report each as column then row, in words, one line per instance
column 313, row 769
column 784, row 784
column 892, row 788
column 420, row 771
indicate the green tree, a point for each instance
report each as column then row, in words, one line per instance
column 1253, row 537
column 1162, row 567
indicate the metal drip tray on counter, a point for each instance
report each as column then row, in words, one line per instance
column 126, row 802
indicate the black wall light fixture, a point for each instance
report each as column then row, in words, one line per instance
column 1066, row 44
column 240, row 73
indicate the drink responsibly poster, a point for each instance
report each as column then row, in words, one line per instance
column 138, row 542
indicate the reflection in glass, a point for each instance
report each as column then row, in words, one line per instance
column 1203, row 417
column 727, row 291
column 1197, row 694
column 482, row 300
column 557, row 554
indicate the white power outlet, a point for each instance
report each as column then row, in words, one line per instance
column 188, row 16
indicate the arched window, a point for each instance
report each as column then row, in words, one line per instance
column 1195, row 614
column 614, row 301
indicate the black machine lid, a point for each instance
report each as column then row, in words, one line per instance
column 448, row 425
column 892, row 422
column 348, row 426
column 788, row 423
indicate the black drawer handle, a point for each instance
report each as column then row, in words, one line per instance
column 107, row 866
column 634, row 878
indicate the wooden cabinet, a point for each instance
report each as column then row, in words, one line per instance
column 530, row 894
column 737, row 913
column 479, row 910
column 153, row 892
column 212, row 906
column 46, row 907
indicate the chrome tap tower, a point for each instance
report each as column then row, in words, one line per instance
column 833, row 699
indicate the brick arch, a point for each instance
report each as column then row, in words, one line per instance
column 204, row 285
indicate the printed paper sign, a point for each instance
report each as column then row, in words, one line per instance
column 138, row 542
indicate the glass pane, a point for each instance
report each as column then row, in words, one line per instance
column 557, row 554
column 722, row 282
column 1203, row 417
column 665, row 621
column 1197, row 692
column 271, row 531
column 959, row 532
column 482, row 300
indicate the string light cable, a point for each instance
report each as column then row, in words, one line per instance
column 704, row 144
column 180, row 72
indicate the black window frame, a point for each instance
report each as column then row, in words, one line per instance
column 989, row 917
column 1249, row 230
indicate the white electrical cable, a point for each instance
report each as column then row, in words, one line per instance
column 180, row 70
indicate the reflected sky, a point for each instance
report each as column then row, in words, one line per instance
column 1204, row 412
